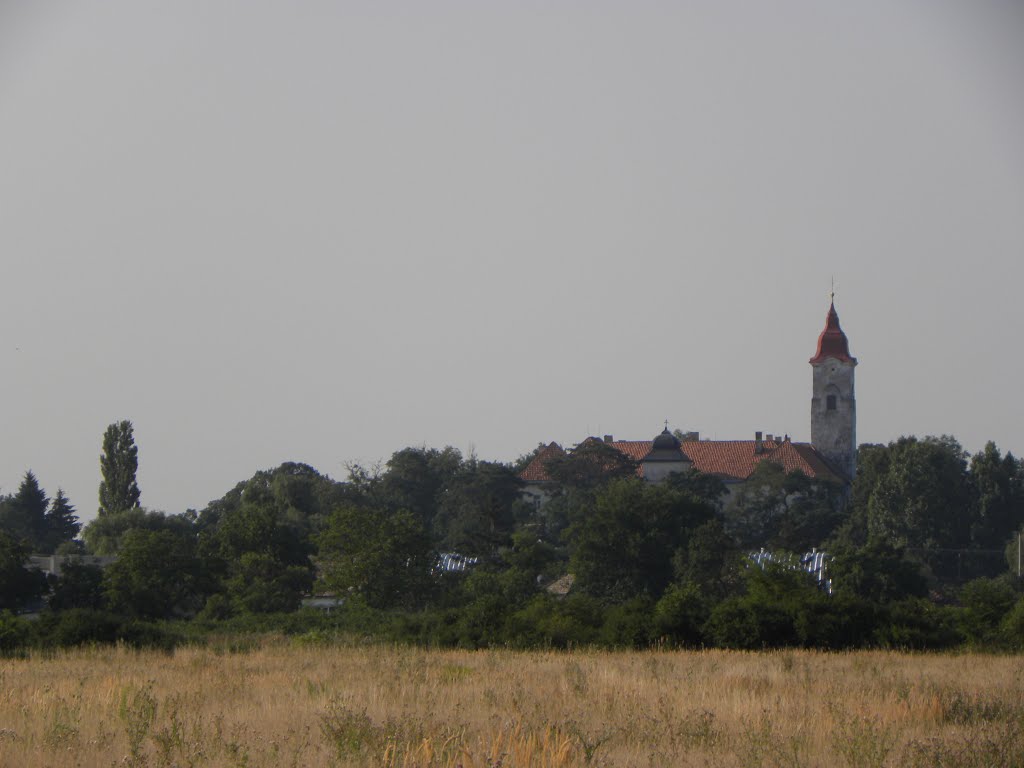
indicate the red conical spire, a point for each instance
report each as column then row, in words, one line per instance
column 832, row 341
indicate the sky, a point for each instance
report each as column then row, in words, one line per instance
column 324, row 231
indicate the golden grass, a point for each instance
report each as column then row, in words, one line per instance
column 293, row 704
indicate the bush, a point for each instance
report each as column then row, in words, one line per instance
column 14, row 632
column 79, row 626
column 917, row 624
column 985, row 603
column 546, row 622
column 629, row 624
column 680, row 615
column 837, row 621
column 1012, row 626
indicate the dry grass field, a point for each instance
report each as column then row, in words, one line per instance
column 285, row 703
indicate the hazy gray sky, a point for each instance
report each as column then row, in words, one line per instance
column 323, row 231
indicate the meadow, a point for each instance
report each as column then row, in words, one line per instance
column 280, row 702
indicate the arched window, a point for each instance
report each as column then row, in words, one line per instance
column 830, row 403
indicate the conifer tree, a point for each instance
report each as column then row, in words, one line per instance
column 23, row 515
column 118, row 465
column 61, row 521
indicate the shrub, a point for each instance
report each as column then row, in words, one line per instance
column 985, row 603
column 680, row 615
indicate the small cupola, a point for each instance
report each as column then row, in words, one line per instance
column 665, row 457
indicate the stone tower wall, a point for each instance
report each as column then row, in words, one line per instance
column 834, row 432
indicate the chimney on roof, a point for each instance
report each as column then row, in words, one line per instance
column 758, row 445
column 608, row 439
column 691, row 437
column 769, row 437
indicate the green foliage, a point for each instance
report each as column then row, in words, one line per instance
column 299, row 496
column 260, row 583
column 104, row 535
column 62, row 524
column 998, row 485
column 14, row 632
column 680, row 615
column 23, row 515
column 923, row 498
column 19, row 585
column 383, row 557
column 653, row 562
column 877, row 571
column 624, row 545
column 783, row 511
column 256, row 541
column 119, row 464
column 779, row 608
column 415, row 480
column 986, row 602
column 590, row 465
column 80, row 626
column 711, row 560
column 917, row 624
column 751, row 517
column 628, row 624
column 476, row 515
column 533, row 556
column 706, row 488
column 156, row 574
column 1012, row 626
column 547, row 622
column 79, row 586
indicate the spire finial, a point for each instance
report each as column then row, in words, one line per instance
column 666, row 425
column 832, row 293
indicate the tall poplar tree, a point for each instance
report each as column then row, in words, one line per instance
column 118, row 465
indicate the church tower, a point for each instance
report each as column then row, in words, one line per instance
column 833, row 407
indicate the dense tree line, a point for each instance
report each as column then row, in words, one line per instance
column 918, row 549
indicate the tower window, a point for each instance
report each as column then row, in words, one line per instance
column 830, row 403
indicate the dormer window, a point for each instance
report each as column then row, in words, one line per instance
column 830, row 403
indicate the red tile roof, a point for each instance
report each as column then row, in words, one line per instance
column 832, row 341
column 732, row 460
column 536, row 471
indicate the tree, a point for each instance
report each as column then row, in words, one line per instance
column 998, row 483
column 382, row 556
column 872, row 465
column 23, row 515
column 626, row 543
column 752, row 517
column 415, row 479
column 156, row 574
column 61, row 522
column 257, row 539
column 877, row 571
column 923, row 498
column 18, row 584
column 590, row 464
column 260, row 583
column 118, row 465
column 476, row 514
column 104, row 535
column 986, row 602
column 78, row 586
column 783, row 511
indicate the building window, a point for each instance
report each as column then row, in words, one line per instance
column 830, row 403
